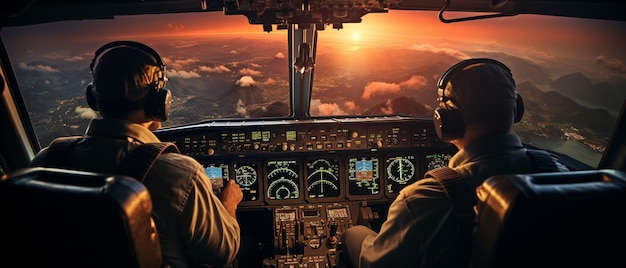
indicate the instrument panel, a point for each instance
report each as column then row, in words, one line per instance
column 286, row 162
column 306, row 181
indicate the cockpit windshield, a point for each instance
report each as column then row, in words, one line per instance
column 569, row 71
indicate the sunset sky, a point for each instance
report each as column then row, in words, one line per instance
column 522, row 30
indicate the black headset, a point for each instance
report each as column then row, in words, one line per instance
column 449, row 123
column 157, row 102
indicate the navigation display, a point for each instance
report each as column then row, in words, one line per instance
column 283, row 180
column 322, row 178
column 246, row 175
column 401, row 171
column 434, row 161
column 363, row 176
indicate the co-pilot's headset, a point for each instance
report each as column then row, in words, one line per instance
column 157, row 102
column 449, row 123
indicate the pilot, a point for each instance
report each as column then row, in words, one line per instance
column 195, row 226
column 478, row 106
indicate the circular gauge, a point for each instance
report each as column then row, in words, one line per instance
column 400, row 170
column 323, row 178
column 245, row 175
column 283, row 180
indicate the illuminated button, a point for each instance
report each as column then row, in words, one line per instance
column 329, row 145
column 355, row 134
column 339, row 145
column 210, row 151
column 319, row 146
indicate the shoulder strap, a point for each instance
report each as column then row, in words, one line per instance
column 459, row 193
column 463, row 199
column 139, row 161
column 58, row 152
column 542, row 161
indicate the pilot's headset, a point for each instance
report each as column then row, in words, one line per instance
column 449, row 123
column 157, row 102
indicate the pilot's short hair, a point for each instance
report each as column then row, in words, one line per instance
column 122, row 78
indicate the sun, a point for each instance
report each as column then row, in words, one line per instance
column 356, row 36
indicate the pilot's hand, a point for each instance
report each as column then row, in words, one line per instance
column 231, row 196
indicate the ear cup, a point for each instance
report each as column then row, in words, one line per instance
column 157, row 104
column 92, row 101
column 519, row 111
column 449, row 124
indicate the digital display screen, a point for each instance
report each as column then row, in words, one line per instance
column 434, row 161
column 337, row 213
column 285, row 215
column 307, row 213
column 255, row 135
column 401, row 171
column 291, row 135
column 363, row 175
column 283, row 180
column 246, row 175
column 322, row 178
column 218, row 174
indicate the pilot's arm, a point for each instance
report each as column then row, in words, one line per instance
column 214, row 234
column 410, row 233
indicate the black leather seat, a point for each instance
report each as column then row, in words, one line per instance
column 569, row 219
column 63, row 218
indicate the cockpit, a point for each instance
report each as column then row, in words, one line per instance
column 321, row 111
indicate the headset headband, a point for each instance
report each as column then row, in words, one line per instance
column 134, row 45
column 450, row 73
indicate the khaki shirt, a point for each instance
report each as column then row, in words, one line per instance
column 193, row 225
column 421, row 230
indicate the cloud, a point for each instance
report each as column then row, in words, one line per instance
column 326, row 109
column 448, row 51
column 246, row 81
column 233, row 51
column 350, row 105
column 248, row 71
column 269, row 81
column 184, row 44
column 415, row 82
column 74, row 59
column 86, row 112
column 377, row 88
column 615, row 65
column 180, row 63
column 380, row 88
column 186, row 61
column 182, row 74
column 279, row 55
column 175, row 28
column 255, row 65
column 38, row 68
column 217, row 69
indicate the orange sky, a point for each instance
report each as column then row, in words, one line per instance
column 415, row 27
